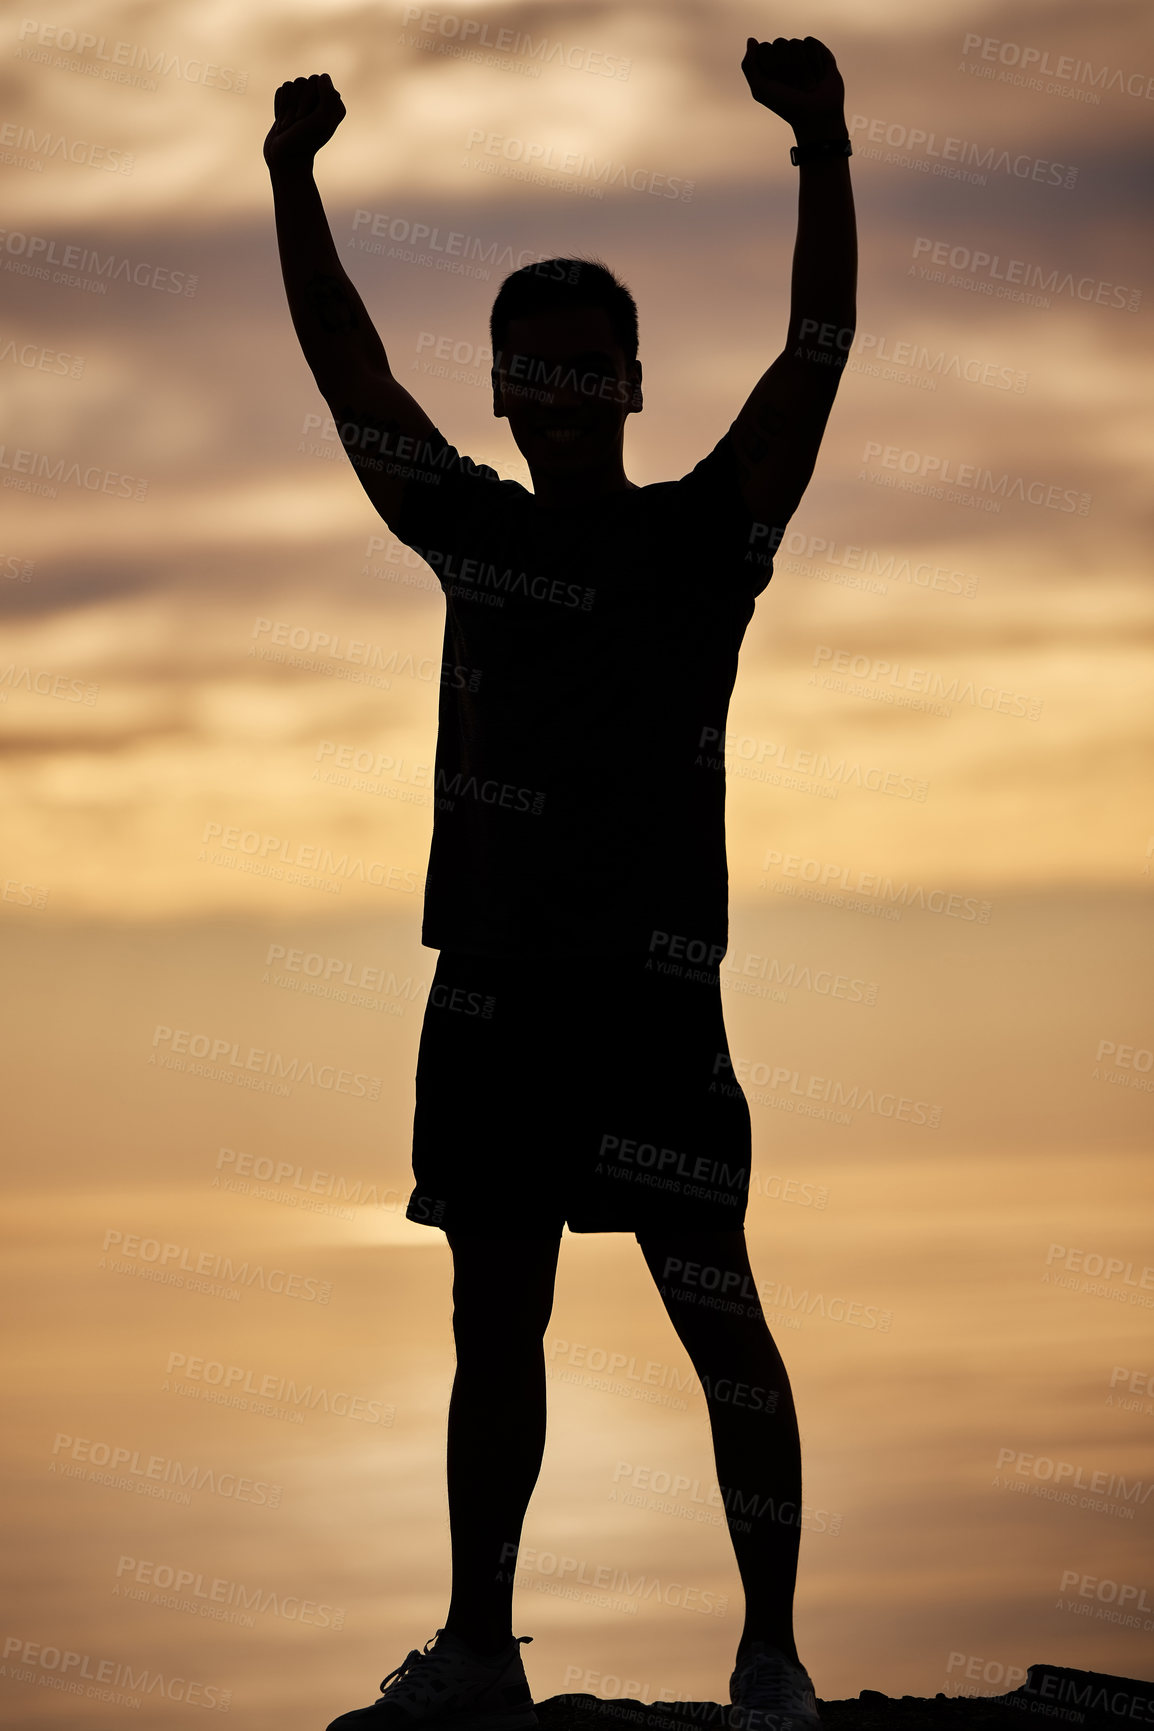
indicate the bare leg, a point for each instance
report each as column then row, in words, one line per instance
column 502, row 1301
column 751, row 1414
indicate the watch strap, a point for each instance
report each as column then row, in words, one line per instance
column 819, row 150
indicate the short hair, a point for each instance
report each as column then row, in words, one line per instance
column 565, row 282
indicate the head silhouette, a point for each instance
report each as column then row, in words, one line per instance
column 565, row 369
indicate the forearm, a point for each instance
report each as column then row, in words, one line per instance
column 824, row 282
column 333, row 328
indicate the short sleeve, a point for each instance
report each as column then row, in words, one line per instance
column 733, row 541
column 446, row 498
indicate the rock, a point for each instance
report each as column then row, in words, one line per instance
column 1089, row 1700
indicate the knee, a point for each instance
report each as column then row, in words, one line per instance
column 502, row 1294
column 485, row 1324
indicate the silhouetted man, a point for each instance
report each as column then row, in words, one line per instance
column 573, row 1064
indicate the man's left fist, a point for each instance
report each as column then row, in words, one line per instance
column 797, row 79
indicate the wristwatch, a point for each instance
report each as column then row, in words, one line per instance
column 819, row 151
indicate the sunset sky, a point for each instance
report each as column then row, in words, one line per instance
column 179, row 520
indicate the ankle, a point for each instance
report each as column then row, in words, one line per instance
column 784, row 1644
column 485, row 1643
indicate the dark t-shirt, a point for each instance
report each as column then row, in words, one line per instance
column 590, row 654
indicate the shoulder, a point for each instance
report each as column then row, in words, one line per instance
column 449, row 490
column 713, row 499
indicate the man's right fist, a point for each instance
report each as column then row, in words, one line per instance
column 308, row 112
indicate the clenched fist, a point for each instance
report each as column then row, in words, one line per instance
column 308, row 112
column 797, row 79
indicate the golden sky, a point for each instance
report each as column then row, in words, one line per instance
column 248, row 513
column 200, row 513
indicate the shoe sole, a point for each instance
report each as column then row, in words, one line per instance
column 462, row 1719
column 768, row 1719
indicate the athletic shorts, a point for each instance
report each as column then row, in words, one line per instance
column 595, row 1092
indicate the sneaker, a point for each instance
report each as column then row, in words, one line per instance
column 449, row 1686
column 769, row 1692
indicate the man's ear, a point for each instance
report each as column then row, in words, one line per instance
column 498, row 410
column 636, row 401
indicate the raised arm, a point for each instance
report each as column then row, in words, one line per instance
column 378, row 417
column 777, row 435
column 333, row 328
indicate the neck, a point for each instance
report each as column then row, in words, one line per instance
column 585, row 487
